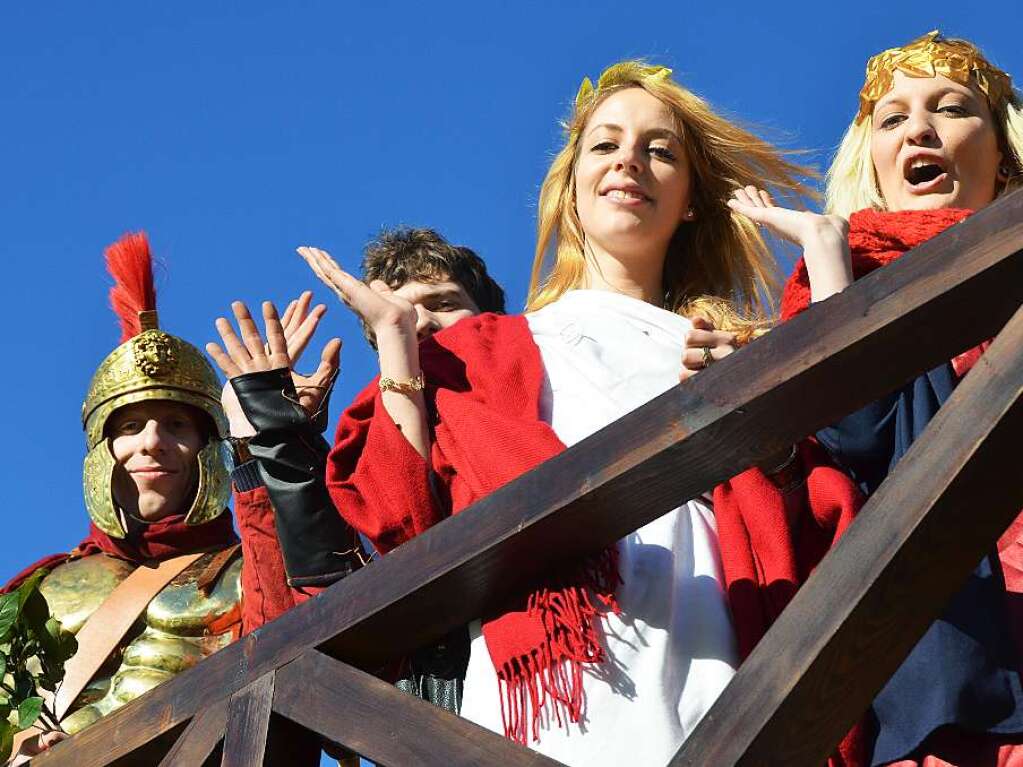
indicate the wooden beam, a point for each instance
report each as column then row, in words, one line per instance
column 839, row 355
column 248, row 723
column 383, row 724
column 871, row 599
column 199, row 739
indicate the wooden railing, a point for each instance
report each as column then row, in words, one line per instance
column 817, row 669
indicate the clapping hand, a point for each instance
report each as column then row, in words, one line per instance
column 375, row 304
column 285, row 343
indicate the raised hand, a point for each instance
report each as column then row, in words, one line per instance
column 375, row 304
column 704, row 345
column 285, row 343
column 797, row 226
column 823, row 238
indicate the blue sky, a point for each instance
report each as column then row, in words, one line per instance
column 234, row 132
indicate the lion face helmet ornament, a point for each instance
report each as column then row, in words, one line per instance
column 150, row 364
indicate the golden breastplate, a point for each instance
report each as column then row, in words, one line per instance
column 181, row 626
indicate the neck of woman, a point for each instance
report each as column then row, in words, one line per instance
column 638, row 275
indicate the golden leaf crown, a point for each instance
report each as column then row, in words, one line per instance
column 617, row 74
column 929, row 56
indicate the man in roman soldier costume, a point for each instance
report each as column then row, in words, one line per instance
column 157, row 585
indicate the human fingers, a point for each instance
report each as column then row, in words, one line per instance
column 234, row 346
column 288, row 311
column 699, row 357
column 275, row 338
column 712, row 338
column 249, row 331
column 700, row 322
column 300, row 313
column 223, row 360
column 330, row 361
column 299, row 339
column 740, row 195
column 766, row 198
column 327, row 270
column 754, row 195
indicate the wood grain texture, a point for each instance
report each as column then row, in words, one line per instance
column 910, row 549
column 248, row 723
column 199, row 739
column 837, row 356
column 385, row 725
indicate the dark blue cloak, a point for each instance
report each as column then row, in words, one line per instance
column 964, row 669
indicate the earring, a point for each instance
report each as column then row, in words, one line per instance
column 689, row 215
column 1004, row 171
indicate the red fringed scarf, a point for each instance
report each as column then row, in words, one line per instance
column 484, row 378
column 876, row 238
column 165, row 539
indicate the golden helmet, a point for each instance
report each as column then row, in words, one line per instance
column 150, row 364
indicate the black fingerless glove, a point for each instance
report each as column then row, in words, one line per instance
column 319, row 547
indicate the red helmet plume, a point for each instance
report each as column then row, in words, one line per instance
column 131, row 266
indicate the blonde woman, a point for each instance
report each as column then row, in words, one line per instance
column 643, row 638
column 938, row 135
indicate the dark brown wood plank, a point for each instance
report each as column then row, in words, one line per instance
column 200, row 737
column 874, row 595
column 379, row 722
column 248, row 723
column 953, row 291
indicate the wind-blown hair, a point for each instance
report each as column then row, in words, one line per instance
column 851, row 181
column 717, row 265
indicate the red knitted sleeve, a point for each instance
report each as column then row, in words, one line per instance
column 265, row 591
column 377, row 480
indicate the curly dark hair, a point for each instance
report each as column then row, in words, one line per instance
column 406, row 254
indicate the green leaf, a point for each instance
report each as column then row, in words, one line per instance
column 6, row 740
column 28, row 712
column 3, row 666
column 10, row 605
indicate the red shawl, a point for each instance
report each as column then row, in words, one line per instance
column 483, row 386
column 876, row 238
column 167, row 538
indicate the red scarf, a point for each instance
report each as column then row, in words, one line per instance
column 876, row 238
column 165, row 539
column 484, row 379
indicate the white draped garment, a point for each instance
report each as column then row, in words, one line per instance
column 672, row 649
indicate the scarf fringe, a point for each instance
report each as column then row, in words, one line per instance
column 547, row 682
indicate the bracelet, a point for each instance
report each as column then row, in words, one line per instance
column 411, row 386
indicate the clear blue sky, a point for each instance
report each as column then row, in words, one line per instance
column 234, row 132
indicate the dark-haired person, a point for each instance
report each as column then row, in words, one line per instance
column 281, row 415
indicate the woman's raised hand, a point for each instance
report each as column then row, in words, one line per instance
column 823, row 238
column 800, row 227
column 376, row 304
column 285, row 343
column 704, row 346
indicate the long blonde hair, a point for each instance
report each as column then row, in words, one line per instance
column 717, row 265
column 851, row 181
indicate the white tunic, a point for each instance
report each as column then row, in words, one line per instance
column 672, row 649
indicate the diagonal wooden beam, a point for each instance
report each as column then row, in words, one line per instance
column 199, row 739
column 248, row 723
column 839, row 355
column 871, row 599
column 383, row 724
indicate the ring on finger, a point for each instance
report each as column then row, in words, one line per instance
column 708, row 357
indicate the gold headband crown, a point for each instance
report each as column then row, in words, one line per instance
column 929, row 56
column 618, row 74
